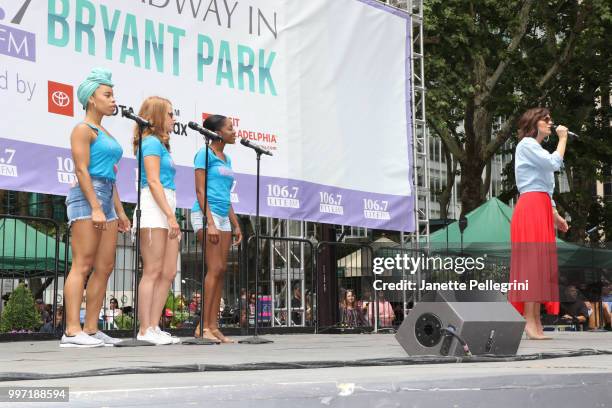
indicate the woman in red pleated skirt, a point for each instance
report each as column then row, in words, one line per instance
column 532, row 231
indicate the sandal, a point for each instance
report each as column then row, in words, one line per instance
column 207, row 335
column 217, row 333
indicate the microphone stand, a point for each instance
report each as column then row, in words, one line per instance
column 256, row 339
column 134, row 342
column 201, row 341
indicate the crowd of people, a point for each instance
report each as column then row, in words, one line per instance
column 578, row 310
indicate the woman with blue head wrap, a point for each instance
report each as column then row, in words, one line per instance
column 95, row 212
column 96, row 78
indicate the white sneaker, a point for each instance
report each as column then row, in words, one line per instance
column 175, row 340
column 154, row 338
column 106, row 339
column 81, row 339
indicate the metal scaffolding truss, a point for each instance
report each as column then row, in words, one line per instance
column 419, row 130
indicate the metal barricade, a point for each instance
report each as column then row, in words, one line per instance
column 347, row 267
column 287, row 283
column 32, row 253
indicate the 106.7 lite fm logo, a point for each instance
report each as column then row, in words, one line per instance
column 14, row 41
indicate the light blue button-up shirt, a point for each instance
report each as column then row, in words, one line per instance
column 534, row 167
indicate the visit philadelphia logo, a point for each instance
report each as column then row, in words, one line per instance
column 15, row 42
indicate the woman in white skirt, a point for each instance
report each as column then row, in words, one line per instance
column 159, row 230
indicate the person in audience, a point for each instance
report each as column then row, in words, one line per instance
column 386, row 315
column 243, row 307
column 111, row 314
column 252, row 304
column 351, row 314
column 54, row 327
column 365, row 304
column 296, row 303
column 166, row 318
column 42, row 309
column 606, row 300
column 573, row 308
column 194, row 305
column 309, row 311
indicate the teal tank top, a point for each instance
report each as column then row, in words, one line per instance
column 104, row 154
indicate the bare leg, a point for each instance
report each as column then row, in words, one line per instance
column 538, row 319
column 212, row 272
column 84, row 242
column 163, row 284
column 530, row 327
column 152, row 248
column 96, row 285
column 225, row 239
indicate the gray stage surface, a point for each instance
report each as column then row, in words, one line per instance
column 244, row 379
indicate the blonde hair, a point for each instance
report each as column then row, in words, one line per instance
column 154, row 109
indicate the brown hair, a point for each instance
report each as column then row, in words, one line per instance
column 154, row 109
column 528, row 123
column 345, row 299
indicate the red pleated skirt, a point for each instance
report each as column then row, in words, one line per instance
column 534, row 253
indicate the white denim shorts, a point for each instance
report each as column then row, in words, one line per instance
column 151, row 215
column 222, row 223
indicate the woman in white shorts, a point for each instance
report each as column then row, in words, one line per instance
column 220, row 218
column 159, row 230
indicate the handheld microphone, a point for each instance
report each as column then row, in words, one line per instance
column 258, row 149
column 570, row 134
column 203, row 131
column 126, row 113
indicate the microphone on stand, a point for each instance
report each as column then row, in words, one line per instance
column 206, row 132
column 258, row 149
column 572, row 135
column 126, row 113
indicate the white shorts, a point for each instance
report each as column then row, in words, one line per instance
column 151, row 215
column 222, row 223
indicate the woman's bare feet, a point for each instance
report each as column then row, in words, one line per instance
column 221, row 337
column 540, row 332
column 532, row 334
column 207, row 334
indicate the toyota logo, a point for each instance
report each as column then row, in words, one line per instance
column 60, row 99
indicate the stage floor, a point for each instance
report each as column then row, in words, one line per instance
column 577, row 381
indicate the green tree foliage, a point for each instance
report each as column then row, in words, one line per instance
column 582, row 102
column 584, row 105
column 20, row 312
column 493, row 59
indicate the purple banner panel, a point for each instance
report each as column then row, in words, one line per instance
column 17, row 43
column 46, row 169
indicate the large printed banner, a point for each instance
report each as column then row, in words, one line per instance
column 324, row 84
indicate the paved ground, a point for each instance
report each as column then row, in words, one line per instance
column 584, row 381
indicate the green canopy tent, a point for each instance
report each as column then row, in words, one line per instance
column 24, row 250
column 488, row 232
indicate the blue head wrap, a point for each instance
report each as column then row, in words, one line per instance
column 97, row 77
